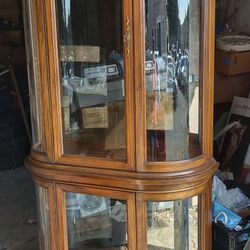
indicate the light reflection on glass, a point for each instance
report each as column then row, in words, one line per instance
column 172, row 225
column 172, row 79
column 92, row 78
column 96, row 222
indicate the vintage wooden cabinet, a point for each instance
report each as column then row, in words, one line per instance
column 122, row 109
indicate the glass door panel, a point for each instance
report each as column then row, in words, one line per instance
column 172, row 225
column 96, row 222
column 92, row 78
column 33, row 74
column 172, row 40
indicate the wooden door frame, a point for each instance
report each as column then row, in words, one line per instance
column 61, row 189
column 51, row 91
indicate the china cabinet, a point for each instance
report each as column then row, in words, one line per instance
column 121, row 108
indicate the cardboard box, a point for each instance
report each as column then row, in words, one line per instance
column 232, row 63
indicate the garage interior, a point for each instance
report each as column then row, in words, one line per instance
column 18, row 228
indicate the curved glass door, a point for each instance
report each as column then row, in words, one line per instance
column 92, row 78
column 173, row 225
column 172, row 40
column 35, row 97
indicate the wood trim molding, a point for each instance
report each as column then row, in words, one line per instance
column 141, row 223
column 139, row 79
column 94, row 162
column 50, row 187
column 205, row 218
column 54, row 82
column 44, row 79
column 129, row 90
column 152, row 167
column 208, row 76
column 125, row 180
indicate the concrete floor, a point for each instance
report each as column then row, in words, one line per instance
column 18, row 220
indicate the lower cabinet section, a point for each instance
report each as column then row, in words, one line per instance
column 94, row 218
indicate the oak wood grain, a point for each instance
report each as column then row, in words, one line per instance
column 134, row 179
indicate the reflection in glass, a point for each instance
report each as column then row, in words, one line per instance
column 44, row 218
column 92, row 72
column 172, row 79
column 96, row 222
column 33, row 74
column 173, row 225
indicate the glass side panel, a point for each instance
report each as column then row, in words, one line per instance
column 172, row 38
column 33, row 74
column 173, row 225
column 92, row 77
column 96, row 222
column 44, row 218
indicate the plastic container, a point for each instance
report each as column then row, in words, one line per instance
column 225, row 239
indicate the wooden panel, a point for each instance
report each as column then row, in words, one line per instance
column 141, row 224
column 140, row 99
column 208, row 77
column 44, row 80
column 128, row 39
column 62, row 219
column 205, row 218
column 53, row 83
column 52, row 210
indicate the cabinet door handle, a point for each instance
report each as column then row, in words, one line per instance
column 126, row 36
